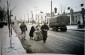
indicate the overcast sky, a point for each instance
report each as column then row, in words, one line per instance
column 23, row 7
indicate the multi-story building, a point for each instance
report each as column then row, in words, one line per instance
column 75, row 17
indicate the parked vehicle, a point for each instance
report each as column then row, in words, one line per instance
column 59, row 22
column 4, row 22
column 1, row 24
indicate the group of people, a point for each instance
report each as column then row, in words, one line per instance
column 36, row 33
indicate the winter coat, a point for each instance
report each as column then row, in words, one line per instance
column 44, row 29
column 31, row 34
column 23, row 27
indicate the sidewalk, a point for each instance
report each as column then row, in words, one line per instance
column 5, row 43
column 75, row 28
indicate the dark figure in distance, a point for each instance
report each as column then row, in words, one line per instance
column 44, row 29
column 79, row 24
column 23, row 28
column 31, row 34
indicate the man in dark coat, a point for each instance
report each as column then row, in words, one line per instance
column 44, row 29
column 31, row 34
column 23, row 28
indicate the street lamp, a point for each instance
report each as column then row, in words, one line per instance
column 51, row 8
column 28, row 17
column 71, row 15
column 83, row 13
column 32, row 17
column 41, row 16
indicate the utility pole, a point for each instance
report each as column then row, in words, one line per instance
column 10, row 30
column 36, row 13
column 61, row 9
column 28, row 17
column 9, row 23
column 83, row 12
column 8, row 17
column 51, row 8
column 32, row 16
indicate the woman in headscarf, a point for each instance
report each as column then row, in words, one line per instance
column 31, row 34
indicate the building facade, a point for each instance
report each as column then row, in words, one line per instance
column 75, row 17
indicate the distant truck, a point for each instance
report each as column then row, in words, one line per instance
column 59, row 22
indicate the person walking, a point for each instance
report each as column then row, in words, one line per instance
column 23, row 28
column 31, row 33
column 44, row 29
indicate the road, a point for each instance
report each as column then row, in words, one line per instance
column 70, row 42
